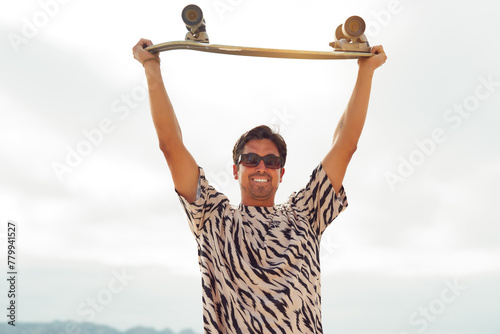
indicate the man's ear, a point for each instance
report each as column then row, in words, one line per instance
column 282, row 173
column 235, row 172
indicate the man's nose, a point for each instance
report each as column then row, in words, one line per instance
column 261, row 166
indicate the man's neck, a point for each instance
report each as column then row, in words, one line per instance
column 253, row 202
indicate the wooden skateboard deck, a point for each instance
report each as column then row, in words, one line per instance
column 255, row 52
column 350, row 41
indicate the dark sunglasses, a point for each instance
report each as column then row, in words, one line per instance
column 253, row 160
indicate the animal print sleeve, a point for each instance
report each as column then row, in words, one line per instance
column 208, row 207
column 318, row 201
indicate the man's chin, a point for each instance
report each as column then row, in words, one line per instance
column 262, row 194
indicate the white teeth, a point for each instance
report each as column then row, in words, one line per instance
column 260, row 180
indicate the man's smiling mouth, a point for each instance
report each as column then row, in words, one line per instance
column 260, row 180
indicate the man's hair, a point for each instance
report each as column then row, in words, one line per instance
column 260, row 132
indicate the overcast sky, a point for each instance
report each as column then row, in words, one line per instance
column 101, row 236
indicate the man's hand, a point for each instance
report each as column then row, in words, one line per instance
column 140, row 54
column 374, row 62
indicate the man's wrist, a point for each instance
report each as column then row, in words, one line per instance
column 366, row 70
column 152, row 69
column 148, row 61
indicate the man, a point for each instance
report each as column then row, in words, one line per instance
column 260, row 261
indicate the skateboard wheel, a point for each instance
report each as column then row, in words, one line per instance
column 339, row 34
column 192, row 15
column 354, row 27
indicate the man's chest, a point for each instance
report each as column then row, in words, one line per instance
column 267, row 241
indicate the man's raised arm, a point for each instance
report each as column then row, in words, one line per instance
column 183, row 167
column 350, row 126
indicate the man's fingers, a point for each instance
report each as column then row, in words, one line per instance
column 142, row 44
column 377, row 49
column 146, row 42
column 138, row 50
column 377, row 60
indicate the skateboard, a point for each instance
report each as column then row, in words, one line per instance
column 350, row 41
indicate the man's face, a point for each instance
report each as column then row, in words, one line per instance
column 258, row 184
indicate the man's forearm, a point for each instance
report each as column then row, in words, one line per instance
column 351, row 123
column 164, row 119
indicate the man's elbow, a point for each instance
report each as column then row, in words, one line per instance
column 354, row 148
column 167, row 146
column 351, row 149
column 164, row 146
column 348, row 147
column 350, row 144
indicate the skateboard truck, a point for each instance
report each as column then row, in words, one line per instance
column 350, row 36
column 195, row 24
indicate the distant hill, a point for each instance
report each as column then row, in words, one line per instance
column 58, row 327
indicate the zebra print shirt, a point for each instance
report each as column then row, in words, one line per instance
column 260, row 265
